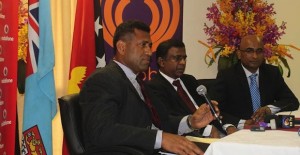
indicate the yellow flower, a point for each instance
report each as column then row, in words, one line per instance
column 273, row 60
column 227, row 51
column 225, row 5
column 260, row 29
column 23, row 31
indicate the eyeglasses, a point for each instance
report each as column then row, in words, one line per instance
column 252, row 50
column 178, row 58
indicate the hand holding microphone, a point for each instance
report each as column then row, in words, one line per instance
column 200, row 118
column 201, row 90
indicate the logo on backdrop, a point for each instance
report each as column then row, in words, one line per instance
column 1, row 144
column 6, row 29
column 163, row 16
column 5, row 71
column 1, row 15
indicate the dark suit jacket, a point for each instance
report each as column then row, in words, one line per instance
column 169, row 96
column 233, row 94
column 165, row 91
column 114, row 114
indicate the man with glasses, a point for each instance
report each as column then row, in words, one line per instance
column 252, row 89
column 177, row 90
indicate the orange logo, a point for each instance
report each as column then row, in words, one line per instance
column 165, row 17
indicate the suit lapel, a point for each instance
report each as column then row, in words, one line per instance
column 118, row 69
column 169, row 87
column 191, row 88
column 262, row 85
column 243, row 81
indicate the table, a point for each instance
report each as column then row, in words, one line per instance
column 246, row 142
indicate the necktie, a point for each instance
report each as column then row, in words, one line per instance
column 254, row 90
column 184, row 96
column 154, row 115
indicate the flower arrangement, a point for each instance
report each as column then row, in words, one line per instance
column 23, row 30
column 233, row 19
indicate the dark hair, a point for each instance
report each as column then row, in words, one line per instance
column 128, row 27
column 163, row 48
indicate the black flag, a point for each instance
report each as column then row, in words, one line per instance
column 99, row 40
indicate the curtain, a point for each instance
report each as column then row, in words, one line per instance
column 63, row 13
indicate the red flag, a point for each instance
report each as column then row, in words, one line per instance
column 83, row 56
column 83, row 60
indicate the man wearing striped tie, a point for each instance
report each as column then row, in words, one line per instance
column 252, row 89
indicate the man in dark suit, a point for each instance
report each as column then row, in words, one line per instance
column 171, row 61
column 243, row 107
column 117, row 110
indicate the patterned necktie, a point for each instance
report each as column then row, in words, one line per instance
column 154, row 115
column 184, row 96
column 254, row 90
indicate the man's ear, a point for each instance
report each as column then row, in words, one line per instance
column 238, row 53
column 160, row 62
column 121, row 45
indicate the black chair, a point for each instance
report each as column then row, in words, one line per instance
column 71, row 124
column 208, row 83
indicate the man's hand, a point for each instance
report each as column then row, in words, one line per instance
column 249, row 123
column 202, row 116
column 214, row 132
column 231, row 129
column 261, row 113
column 179, row 145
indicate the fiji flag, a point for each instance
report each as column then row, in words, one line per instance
column 40, row 98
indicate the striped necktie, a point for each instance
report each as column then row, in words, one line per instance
column 184, row 96
column 154, row 114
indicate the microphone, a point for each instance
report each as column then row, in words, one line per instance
column 282, row 121
column 201, row 90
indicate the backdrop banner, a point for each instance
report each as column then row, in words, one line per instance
column 8, row 74
column 164, row 17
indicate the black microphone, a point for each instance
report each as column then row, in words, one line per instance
column 201, row 90
column 282, row 121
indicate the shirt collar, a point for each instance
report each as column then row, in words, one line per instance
column 171, row 80
column 248, row 73
column 129, row 73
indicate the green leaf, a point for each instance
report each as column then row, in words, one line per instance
column 211, row 59
column 280, row 69
column 286, row 65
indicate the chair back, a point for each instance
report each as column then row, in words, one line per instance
column 209, row 84
column 71, row 122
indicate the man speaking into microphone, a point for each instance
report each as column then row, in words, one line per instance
column 178, row 90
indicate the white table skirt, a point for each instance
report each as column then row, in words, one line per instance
column 246, row 142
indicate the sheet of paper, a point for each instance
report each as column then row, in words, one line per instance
column 202, row 140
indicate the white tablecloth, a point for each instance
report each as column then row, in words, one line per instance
column 246, row 142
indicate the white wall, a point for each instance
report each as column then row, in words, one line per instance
column 195, row 17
